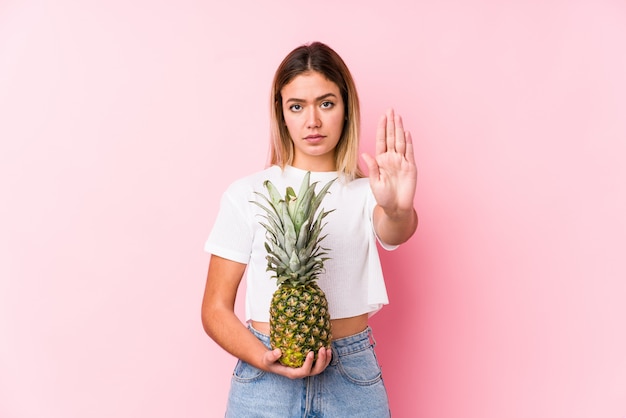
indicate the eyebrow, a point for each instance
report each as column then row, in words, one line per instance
column 317, row 99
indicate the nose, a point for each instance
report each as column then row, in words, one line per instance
column 313, row 118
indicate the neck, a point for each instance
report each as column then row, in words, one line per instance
column 315, row 165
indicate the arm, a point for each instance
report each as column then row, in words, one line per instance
column 393, row 177
column 394, row 229
column 225, row 328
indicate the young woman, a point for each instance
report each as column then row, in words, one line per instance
column 315, row 128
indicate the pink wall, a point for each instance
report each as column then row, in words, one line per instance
column 121, row 123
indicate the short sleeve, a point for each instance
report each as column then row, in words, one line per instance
column 231, row 235
column 371, row 204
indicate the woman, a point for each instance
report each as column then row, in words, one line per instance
column 315, row 128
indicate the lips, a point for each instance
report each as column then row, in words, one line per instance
column 314, row 138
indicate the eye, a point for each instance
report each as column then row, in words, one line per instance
column 327, row 105
column 295, row 107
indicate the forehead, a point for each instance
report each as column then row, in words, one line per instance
column 309, row 84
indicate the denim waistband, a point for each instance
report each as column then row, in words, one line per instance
column 341, row 346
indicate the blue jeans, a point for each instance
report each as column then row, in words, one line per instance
column 350, row 387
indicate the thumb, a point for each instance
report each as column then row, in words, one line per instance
column 372, row 165
column 271, row 357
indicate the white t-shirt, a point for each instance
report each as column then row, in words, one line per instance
column 353, row 279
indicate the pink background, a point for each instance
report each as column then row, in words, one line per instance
column 121, row 122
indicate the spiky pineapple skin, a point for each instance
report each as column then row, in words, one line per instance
column 299, row 322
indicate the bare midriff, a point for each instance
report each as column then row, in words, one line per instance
column 340, row 328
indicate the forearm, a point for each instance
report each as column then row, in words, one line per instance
column 225, row 328
column 218, row 312
column 396, row 228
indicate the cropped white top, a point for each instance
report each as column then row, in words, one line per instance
column 353, row 279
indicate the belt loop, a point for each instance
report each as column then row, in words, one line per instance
column 335, row 356
column 371, row 337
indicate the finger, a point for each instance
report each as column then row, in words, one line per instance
column 307, row 366
column 390, row 131
column 272, row 356
column 372, row 166
column 329, row 356
column 381, row 139
column 300, row 372
column 323, row 358
column 409, row 154
column 400, row 143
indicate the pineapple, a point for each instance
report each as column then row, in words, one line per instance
column 299, row 318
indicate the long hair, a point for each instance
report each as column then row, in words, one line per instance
column 322, row 59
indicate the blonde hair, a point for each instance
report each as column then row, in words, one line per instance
column 320, row 58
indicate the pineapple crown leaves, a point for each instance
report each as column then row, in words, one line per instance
column 293, row 230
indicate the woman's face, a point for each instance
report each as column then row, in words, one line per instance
column 314, row 115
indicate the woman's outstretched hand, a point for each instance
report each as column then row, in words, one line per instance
column 393, row 178
column 324, row 355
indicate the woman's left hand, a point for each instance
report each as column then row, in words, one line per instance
column 392, row 172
